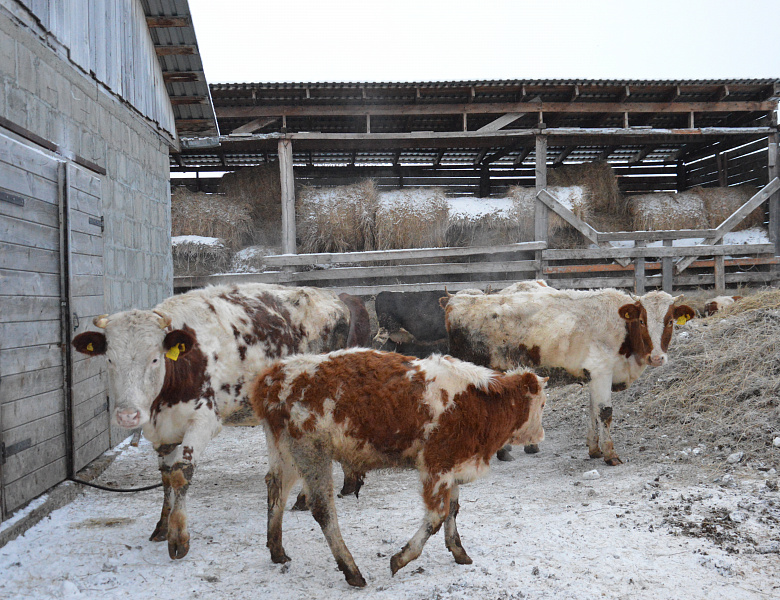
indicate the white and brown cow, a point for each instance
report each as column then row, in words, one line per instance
column 719, row 303
column 182, row 370
column 603, row 337
column 371, row 409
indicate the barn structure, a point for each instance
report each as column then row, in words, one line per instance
column 86, row 127
column 478, row 138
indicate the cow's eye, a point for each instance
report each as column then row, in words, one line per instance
column 155, row 360
column 108, row 359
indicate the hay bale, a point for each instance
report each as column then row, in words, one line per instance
column 721, row 202
column 559, row 233
column 251, row 259
column 260, row 190
column 197, row 255
column 210, row 215
column 411, row 218
column 484, row 222
column 662, row 211
column 337, row 219
column 597, row 178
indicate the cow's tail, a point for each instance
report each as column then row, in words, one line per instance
column 359, row 324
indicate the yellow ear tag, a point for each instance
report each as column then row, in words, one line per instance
column 173, row 353
column 90, row 348
column 682, row 320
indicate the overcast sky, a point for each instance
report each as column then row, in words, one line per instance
column 433, row 40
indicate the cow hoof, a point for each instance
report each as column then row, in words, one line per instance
column 396, row 563
column 531, row 448
column 613, row 461
column 356, row 579
column 160, row 533
column 595, row 453
column 505, row 455
column 179, row 549
column 280, row 558
column 300, row 502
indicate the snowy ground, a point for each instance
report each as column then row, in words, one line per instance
column 536, row 528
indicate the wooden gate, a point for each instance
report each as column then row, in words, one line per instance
column 51, row 266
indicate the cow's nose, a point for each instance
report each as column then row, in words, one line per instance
column 657, row 361
column 128, row 418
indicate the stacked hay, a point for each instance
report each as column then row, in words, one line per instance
column 721, row 202
column 662, row 211
column 414, row 218
column 599, row 182
column 260, row 190
column 483, row 222
column 560, row 234
column 210, row 215
column 722, row 382
column 196, row 255
column 337, row 219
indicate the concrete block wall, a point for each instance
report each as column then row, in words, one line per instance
column 43, row 92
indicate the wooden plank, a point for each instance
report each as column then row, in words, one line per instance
column 654, row 251
column 30, row 209
column 26, row 258
column 30, row 383
column 25, row 334
column 91, row 450
column 34, row 484
column 667, row 269
column 639, row 270
column 86, row 244
column 26, row 283
column 593, row 283
column 451, row 286
column 37, row 457
column 390, row 255
column 90, row 408
column 87, row 367
column 90, row 429
column 34, row 358
column 554, row 204
column 735, row 219
column 28, row 308
column 27, row 410
column 86, row 285
column 654, row 236
column 501, row 121
column 773, row 167
column 26, row 234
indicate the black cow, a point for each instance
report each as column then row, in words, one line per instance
column 411, row 323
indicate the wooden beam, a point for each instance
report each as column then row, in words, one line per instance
column 773, row 167
column 480, row 156
column 575, row 93
column 288, row 196
column 487, row 108
column 522, row 156
column 722, row 93
column 500, row 122
column 254, row 125
column 736, row 218
column 153, row 22
column 439, row 156
column 562, row 155
column 626, row 93
column 642, row 154
column 607, row 152
column 555, row 205
column 183, row 76
column 185, row 100
column 182, row 50
column 541, row 217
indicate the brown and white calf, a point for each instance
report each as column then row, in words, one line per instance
column 719, row 303
column 182, row 370
column 603, row 337
column 371, row 409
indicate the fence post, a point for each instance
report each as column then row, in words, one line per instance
column 639, row 270
column 773, row 164
column 720, row 271
column 540, row 209
column 667, row 265
column 288, row 196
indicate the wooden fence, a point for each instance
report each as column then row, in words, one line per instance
column 709, row 263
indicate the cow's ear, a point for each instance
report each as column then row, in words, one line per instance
column 683, row 314
column 177, row 343
column 629, row 312
column 92, row 343
column 531, row 381
column 443, row 301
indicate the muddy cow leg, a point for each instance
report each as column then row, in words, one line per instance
column 599, row 437
column 353, row 481
column 438, row 507
column 160, row 533
column 531, row 448
column 451, row 535
column 280, row 479
column 315, row 467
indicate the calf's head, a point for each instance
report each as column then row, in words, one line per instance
column 531, row 387
column 650, row 322
column 136, row 344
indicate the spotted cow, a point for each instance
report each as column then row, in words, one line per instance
column 718, row 303
column 182, row 370
column 370, row 410
column 606, row 338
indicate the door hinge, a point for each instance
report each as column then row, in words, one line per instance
column 8, row 451
column 97, row 222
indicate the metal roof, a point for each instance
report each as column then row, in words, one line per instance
column 170, row 25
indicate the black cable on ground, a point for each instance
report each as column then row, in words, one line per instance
column 111, row 489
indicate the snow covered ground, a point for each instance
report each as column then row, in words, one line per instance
column 538, row 527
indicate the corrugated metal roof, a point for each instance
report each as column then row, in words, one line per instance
column 173, row 34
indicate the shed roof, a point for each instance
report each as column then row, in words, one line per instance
column 480, row 122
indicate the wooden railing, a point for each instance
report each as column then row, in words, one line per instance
column 709, row 263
